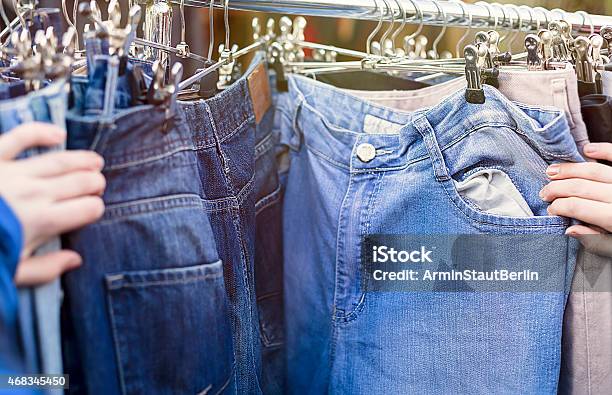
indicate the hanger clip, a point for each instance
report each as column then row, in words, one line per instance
column 474, row 93
column 534, row 58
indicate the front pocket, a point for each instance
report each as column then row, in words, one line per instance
column 171, row 330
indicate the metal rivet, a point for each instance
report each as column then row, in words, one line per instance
column 366, row 152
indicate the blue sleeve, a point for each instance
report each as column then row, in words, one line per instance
column 11, row 241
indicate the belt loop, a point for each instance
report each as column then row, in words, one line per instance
column 297, row 135
column 429, row 136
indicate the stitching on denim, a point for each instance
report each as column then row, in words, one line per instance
column 268, row 200
column 116, row 340
column 263, row 146
column 229, row 379
column 141, row 207
column 149, row 159
column 145, row 284
column 186, row 197
column 365, row 229
column 229, row 135
column 327, row 158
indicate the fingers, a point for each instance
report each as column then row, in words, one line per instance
column 602, row 151
column 593, row 240
column 42, row 269
column 588, row 171
column 73, row 214
column 581, row 230
column 29, row 135
column 577, row 187
column 589, row 211
column 75, row 184
column 62, row 162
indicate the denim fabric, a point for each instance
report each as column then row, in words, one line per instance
column 11, row 88
column 556, row 88
column 148, row 310
column 40, row 306
column 238, row 171
column 341, row 339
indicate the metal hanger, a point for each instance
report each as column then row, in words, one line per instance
column 458, row 46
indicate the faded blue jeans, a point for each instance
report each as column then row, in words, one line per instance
column 360, row 169
column 39, row 307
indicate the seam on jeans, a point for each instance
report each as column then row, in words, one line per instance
column 263, row 146
column 244, row 255
column 327, row 158
column 229, row 379
column 365, row 228
column 119, row 211
column 115, row 334
column 227, row 136
column 149, row 158
column 144, row 284
column 268, row 200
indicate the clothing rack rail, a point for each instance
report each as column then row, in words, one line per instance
column 457, row 13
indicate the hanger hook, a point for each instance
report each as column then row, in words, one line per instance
column 585, row 15
column 490, row 11
column 402, row 25
column 530, row 11
column 441, row 34
column 376, row 29
column 383, row 39
column 22, row 21
column 520, row 26
column 418, row 13
column 5, row 18
column 546, row 14
column 560, row 11
column 501, row 7
column 458, row 49
column 227, row 24
column 211, row 26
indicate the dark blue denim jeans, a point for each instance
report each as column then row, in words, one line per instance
column 174, row 199
column 148, row 312
column 237, row 163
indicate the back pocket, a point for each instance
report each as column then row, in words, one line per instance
column 172, row 330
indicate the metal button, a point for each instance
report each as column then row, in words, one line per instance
column 366, row 152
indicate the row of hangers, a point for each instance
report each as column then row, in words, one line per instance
column 43, row 58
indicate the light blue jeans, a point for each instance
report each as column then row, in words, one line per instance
column 359, row 169
column 39, row 307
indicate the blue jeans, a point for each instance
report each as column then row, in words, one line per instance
column 39, row 307
column 238, row 170
column 192, row 236
column 400, row 178
column 148, row 312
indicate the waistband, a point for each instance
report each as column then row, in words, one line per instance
column 517, row 85
column 47, row 104
column 330, row 122
column 221, row 116
column 139, row 134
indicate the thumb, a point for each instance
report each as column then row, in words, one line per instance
column 39, row 270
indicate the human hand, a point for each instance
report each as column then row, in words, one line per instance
column 50, row 194
column 583, row 191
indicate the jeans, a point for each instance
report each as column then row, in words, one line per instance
column 39, row 307
column 555, row 88
column 359, row 169
column 235, row 145
column 148, row 311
